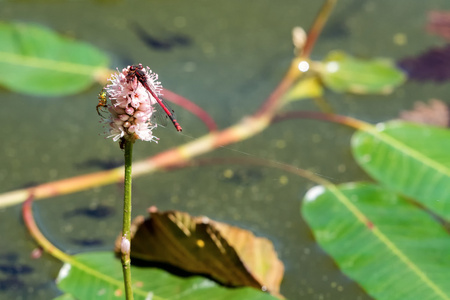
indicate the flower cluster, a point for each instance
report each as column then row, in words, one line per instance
column 130, row 106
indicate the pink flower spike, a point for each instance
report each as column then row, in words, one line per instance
column 124, row 117
column 129, row 110
column 128, row 107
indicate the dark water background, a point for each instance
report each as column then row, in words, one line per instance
column 226, row 56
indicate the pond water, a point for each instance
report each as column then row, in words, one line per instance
column 226, row 56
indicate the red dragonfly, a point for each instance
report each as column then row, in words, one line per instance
column 139, row 72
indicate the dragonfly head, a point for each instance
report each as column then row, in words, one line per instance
column 137, row 71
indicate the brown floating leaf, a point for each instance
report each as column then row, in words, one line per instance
column 231, row 255
column 434, row 113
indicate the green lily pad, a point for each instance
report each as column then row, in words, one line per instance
column 411, row 159
column 343, row 73
column 99, row 276
column 390, row 246
column 36, row 60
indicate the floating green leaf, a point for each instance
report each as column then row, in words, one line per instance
column 99, row 276
column 343, row 73
column 36, row 60
column 411, row 159
column 391, row 247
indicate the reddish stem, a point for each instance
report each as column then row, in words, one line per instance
column 192, row 107
column 28, row 218
column 274, row 100
column 317, row 27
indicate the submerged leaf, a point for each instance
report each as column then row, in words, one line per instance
column 230, row 255
column 98, row 275
column 439, row 23
column 435, row 112
column 433, row 65
column 343, row 73
column 391, row 247
column 36, row 60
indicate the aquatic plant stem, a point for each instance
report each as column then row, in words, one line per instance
column 38, row 236
column 125, row 247
column 192, row 108
column 316, row 28
column 274, row 101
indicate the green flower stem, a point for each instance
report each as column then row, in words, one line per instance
column 127, row 220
